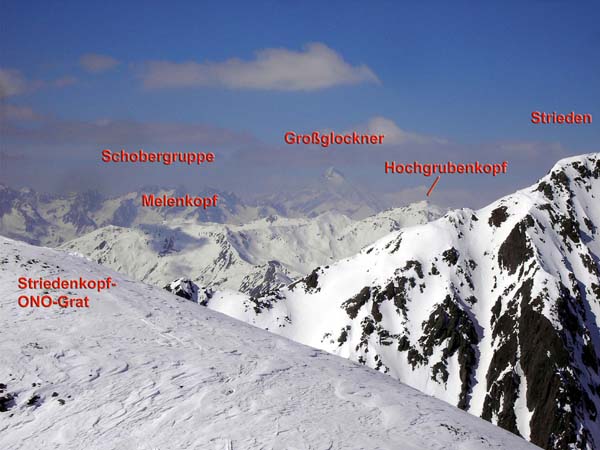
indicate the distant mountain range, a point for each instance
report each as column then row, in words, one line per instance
column 251, row 247
column 54, row 219
column 46, row 219
column 256, row 257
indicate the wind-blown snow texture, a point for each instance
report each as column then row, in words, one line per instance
column 143, row 369
column 495, row 311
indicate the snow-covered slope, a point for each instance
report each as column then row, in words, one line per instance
column 143, row 369
column 495, row 311
column 256, row 257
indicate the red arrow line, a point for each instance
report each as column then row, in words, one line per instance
column 433, row 186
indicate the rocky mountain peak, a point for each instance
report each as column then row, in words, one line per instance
column 333, row 175
column 495, row 311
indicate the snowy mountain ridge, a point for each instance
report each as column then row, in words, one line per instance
column 142, row 369
column 255, row 257
column 495, row 311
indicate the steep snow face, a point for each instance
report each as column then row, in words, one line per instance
column 143, row 369
column 256, row 257
column 494, row 311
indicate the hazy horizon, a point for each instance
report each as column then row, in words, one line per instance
column 441, row 82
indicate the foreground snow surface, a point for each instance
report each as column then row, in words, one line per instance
column 143, row 369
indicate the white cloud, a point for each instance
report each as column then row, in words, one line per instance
column 315, row 67
column 51, row 131
column 12, row 83
column 15, row 112
column 95, row 63
column 394, row 135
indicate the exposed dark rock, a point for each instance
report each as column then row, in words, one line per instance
column 353, row 305
column 590, row 225
column 589, row 264
column 7, row 400
column 451, row 256
column 498, row 216
column 501, row 400
column 35, row 400
column 416, row 265
column 396, row 290
column 377, row 316
column 312, row 280
column 449, row 324
column 584, row 172
column 184, row 288
column 403, row 344
column 396, row 243
column 569, row 228
column 343, row 336
column 439, row 370
column 515, row 250
column 546, row 189
column 368, row 326
column 546, row 357
column 545, row 361
column 561, row 180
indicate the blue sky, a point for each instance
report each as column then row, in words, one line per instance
column 469, row 72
